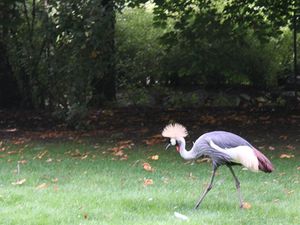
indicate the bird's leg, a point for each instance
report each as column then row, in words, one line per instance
column 209, row 187
column 237, row 184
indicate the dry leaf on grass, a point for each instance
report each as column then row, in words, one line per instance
column 148, row 182
column 246, row 205
column 180, row 216
column 84, row 157
column 271, row 148
column 42, row 186
column 23, row 161
column 154, row 157
column 290, row 147
column 124, row 157
column 147, row 167
column 286, row 156
column 49, row 160
column 40, row 155
column 12, row 152
column 19, row 182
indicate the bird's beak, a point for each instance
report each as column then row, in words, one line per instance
column 168, row 146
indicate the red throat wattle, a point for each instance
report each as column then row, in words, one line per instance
column 177, row 148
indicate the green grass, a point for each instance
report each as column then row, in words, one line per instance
column 100, row 190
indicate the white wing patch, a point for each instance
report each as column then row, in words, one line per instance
column 241, row 154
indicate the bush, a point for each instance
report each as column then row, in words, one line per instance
column 139, row 52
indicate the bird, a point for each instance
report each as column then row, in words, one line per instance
column 223, row 148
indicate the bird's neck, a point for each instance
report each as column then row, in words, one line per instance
column 187, row 155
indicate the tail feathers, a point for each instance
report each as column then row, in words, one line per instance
column 264, row 163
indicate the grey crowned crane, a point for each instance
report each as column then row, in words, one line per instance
column 223, row 148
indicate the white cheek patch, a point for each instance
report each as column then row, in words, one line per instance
column 173, row 141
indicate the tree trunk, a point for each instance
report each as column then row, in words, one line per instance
column 9, row 92
column 104, row 88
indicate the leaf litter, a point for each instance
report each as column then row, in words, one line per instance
column 148, row 182
column 19, row 182
column 148, row 167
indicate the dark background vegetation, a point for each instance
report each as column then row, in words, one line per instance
column 72, row 58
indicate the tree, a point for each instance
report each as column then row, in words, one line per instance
column 9, row 94
column 60, row 53
column 216, row 40
column 104, row 86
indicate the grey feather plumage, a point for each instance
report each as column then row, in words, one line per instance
column 221, row 138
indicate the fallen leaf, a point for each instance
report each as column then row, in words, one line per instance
column 271, row 148
column 119, row 153
column 42, row 186
column 155, row 157
column 125, row 157
column 180, row 216
column 49, row 160
column 286, row 156
column 84, row 157
column 147, row 167
column 290, row 147
column 246, row 205
column 283, row 137
column 191, row 176
column 12, row 152
column 19, row 182
column 23, row 161
column 148, row 182
column 298, row 168
column 40, row 155
column 76, row 153
column 54, row 180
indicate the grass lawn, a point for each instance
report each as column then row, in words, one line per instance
column 83, row 183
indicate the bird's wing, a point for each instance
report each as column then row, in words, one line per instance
column 239, row 150
column 226, row 140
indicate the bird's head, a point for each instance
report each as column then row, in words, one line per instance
column 175, row 132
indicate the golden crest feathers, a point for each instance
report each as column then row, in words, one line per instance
column 174, row 130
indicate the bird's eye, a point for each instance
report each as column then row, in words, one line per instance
column 173, row 141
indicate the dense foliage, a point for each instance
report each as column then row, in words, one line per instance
column 58, row 51
column 69, row 55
